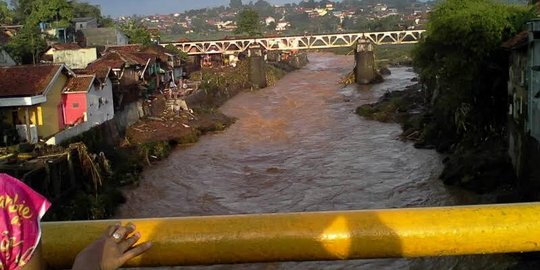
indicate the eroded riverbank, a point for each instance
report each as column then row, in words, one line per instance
column 299, row 146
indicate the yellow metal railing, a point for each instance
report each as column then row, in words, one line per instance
column 314, row 236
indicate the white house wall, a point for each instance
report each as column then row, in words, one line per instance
column 100, row 112
column 75, row 59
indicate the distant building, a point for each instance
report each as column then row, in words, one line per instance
column 93, row 37
column 85, row 23
column 76, row 58
column 282, row 26
column 70, row 54
column 269, row 20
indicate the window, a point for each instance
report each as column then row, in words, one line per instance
column 75, row 105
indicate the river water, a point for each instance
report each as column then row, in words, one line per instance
column 299, row 146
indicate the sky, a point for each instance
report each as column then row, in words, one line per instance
column 116, row 8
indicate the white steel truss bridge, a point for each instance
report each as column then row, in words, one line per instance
column 305, row 42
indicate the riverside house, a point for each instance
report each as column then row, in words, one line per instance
column 524, row 104
column 51, row 103
column 31, row 101
column 87, row 102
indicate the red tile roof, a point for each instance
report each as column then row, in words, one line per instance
column 517, row 41
column 66, row 46
column 27, row 80
column 79, row 83
column 101, row 72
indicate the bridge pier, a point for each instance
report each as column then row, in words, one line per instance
column 365, row 72
column 257, row 68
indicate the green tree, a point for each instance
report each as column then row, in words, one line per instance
column 178, row 29
column 83, row 9
column 176, row 51
column 461, row 64
column 248, row 23
column 264, row 9
column 23, row 9
column 6, row 15
column 236, row 4
column 27, row 46
column 58, row 13
column 137, row 33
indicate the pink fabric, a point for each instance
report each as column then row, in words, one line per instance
column 21, row 209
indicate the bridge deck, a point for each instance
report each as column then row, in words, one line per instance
column 298, row 42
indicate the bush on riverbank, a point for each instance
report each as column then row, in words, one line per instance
column 464, row 71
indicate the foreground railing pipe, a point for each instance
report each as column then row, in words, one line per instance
column 315, row 236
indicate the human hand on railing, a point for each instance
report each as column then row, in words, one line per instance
column 112, row 250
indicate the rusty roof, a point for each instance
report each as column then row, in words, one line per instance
column 101, row 72
column 79, row 83
column 183, row 39
column 123, row 48
column 110, row 60
column 66, row 46
column 26, row 80
column 139, row 58
column 517, row 41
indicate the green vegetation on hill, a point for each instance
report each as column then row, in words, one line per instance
column 29, row 43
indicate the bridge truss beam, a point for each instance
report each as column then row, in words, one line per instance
column 298, row 42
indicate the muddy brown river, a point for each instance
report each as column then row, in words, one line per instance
column 299, row 146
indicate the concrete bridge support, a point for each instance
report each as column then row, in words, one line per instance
column 257, row 68
column 365, row 71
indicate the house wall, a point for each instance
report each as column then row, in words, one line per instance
column 100, row 104
column 34, row 114
column 524, row 122
column 86, row 25
column 75, row 107
column 35, row 119
column 533, row 121
column 111, row 131
column 130, row 76
column 52, row 110
column 517, row 109
column 76, row 59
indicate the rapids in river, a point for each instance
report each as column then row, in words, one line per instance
column 298, row 146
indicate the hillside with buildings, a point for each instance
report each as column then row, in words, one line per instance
column 307, row 17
